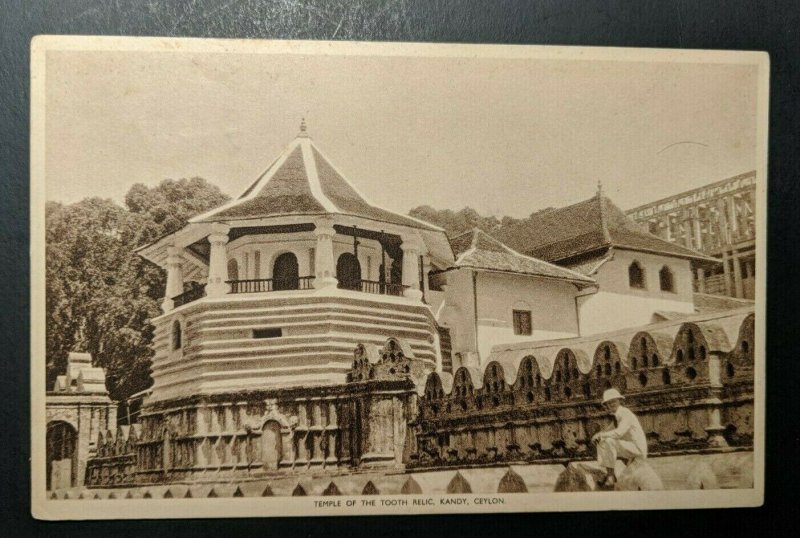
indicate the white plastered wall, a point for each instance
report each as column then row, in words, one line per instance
column 617, row 305
column 270, row 246
column 551, row 303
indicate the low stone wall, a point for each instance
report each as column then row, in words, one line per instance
column 691, row 391
column 726, row 468
column 251, row 434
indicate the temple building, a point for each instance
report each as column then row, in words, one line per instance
column 307, row 332
column 718, row 220
column 638, row 275
column 493, row 294
column 271, row 289
column 79, row 412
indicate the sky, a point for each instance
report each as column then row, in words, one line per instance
column 503, row 136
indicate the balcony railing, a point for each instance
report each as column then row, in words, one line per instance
column 189, row 296
column 260, row 285
column 374, row 286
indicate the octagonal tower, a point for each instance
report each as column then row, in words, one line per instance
column 266, row 298
column 274, row 288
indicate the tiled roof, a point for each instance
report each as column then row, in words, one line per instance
column 588, row 226
column 589, row 266
column 479, row 250
column 704, row 302
column 301, row 181
column 286, row 192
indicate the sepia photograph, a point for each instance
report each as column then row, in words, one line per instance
column 297, row 278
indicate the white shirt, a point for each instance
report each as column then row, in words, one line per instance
column 629, row 429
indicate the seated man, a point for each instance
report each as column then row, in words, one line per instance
column 626, row 441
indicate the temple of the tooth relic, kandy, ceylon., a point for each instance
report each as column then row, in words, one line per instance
column 307, row 334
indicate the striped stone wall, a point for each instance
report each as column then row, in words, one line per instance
column 317, row 332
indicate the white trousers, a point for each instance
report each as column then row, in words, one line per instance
column 608, row 450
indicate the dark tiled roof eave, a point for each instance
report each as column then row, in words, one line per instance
column 487, row 253
column 581, row 282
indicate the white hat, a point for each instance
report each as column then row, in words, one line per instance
column 612, row 394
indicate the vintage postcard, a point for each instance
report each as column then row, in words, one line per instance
column 276, row 278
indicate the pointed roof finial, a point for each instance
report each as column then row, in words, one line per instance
column 303, row 127
column 599, row 188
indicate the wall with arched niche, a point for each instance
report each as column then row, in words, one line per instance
column 546, row 403
column 255, row 254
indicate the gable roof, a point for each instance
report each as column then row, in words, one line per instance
column 596, row 224
column 478, row 250
column 302, row 181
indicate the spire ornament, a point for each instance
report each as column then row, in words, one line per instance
column 303, row 129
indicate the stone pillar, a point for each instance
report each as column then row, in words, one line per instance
column 317, row 456
column 218, row 261
column 426, row 268
column 174, row 278
column 331, row 433
column 737, row 276
column 379, row 437
column 713, row 403
column 437, row 347
column 316, row 413
column 411, row 250
column 715, row 430
column 287, row 443
column 302, row 453
column 325, row 270
column 230, row 426
column 698, row 236
column 733, row 227
column 686, row 228
column 701, row 280
column 200, row 459
column 726, row 272
column 666, row 232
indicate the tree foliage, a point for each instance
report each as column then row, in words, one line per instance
column 458, row 222
column 100, row 294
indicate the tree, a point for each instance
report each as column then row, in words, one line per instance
column 100, row 294
column 458, row 222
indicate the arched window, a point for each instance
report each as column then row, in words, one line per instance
column 636, row 276
column 177, row 335
column 285, row 272
column 233, row 269
column 666, row 280
column 348, row 272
